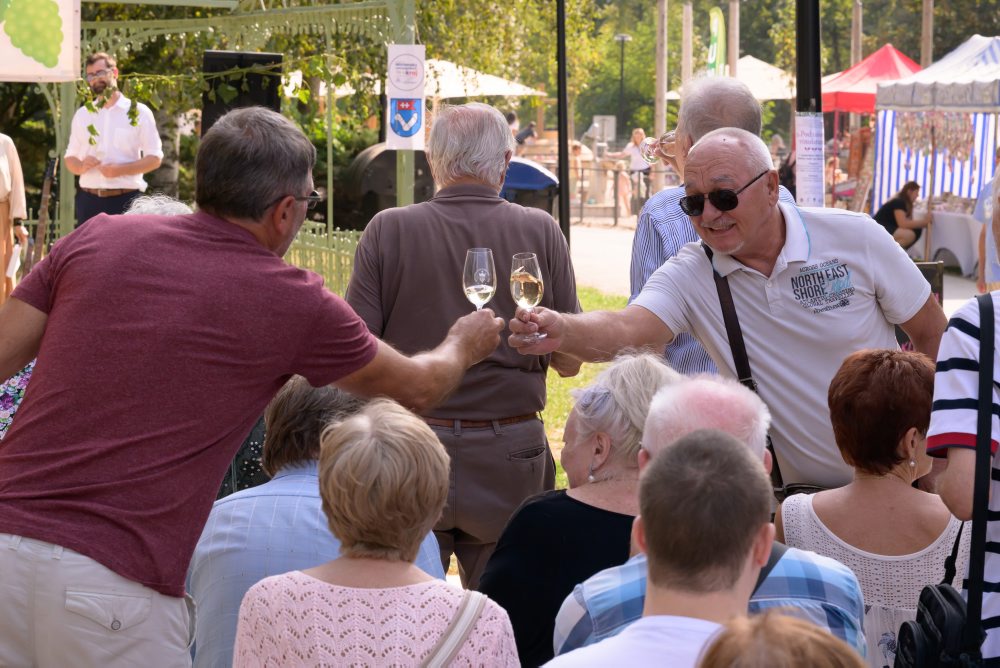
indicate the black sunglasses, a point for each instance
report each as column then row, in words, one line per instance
column 723, row 200
column 312, row 199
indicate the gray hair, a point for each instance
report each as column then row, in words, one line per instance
column 706, row 402
column 617, row 401
column 157, row 204
column 470, row 140
column 755, row 152
column 710, row 103
column 249, row 160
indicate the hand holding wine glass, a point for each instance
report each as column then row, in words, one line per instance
column 479, row 277
column 526, row 285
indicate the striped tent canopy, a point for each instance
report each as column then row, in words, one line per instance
column 959, row 96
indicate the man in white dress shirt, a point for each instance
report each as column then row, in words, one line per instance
column 123, row 145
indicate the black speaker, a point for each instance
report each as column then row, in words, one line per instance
column 244, row 88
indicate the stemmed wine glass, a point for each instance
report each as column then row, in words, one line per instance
column 479, row 277
column 526, row 285
column 666, row 145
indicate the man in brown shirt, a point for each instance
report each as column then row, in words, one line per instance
column 407, row 286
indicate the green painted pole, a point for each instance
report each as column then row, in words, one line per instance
column 403, row 16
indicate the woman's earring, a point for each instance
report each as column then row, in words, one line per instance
column 590, row 474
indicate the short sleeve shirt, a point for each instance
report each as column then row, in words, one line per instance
column 839, row 285
column 166, row 338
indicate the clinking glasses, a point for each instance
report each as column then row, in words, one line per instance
column 723, row 200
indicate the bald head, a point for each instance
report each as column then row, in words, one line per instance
column 746, row 147
column 706, row 402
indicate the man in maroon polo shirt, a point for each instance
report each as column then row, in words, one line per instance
column 159, row 342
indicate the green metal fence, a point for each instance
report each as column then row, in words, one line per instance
column 330, row 253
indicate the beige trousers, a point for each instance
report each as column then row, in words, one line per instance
column 60, row 608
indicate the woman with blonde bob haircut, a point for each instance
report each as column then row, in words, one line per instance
column 774, row 640
column 383, row 477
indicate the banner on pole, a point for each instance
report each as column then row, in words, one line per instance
column 809, row 185
column 404, row 91
column 716, row 42
column 40, row 40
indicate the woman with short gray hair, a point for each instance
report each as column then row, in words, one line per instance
column 560, row 538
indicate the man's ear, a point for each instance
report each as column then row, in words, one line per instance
column 762, row 544
column 639, row 534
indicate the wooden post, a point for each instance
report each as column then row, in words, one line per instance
column 660, row 102
column 734, row 36
column 687, row 27
column 930, row 193
column 927, row 34
column 857, row 52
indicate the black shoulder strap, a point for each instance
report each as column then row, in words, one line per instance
column 973, row 632
column 740, row 358
column 777, row 551
column 949, row 563
column 733, row 331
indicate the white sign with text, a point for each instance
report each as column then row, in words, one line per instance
column 404, row 91
column 809, row 185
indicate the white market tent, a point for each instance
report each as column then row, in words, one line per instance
column 764, row 80
column 940, row 124
column 444, row 79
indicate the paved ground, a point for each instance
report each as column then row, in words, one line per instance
column 602, row 255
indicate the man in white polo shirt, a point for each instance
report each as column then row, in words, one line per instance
column 126, row 145
column 810, row 286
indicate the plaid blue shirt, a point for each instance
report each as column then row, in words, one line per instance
column 815, row 588
column 662, row 230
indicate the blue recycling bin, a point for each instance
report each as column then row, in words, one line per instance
column 529, row 184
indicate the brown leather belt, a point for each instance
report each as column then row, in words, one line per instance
column 105, row 192
column 478, row 424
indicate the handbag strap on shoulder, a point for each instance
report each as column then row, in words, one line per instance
column 451, row 641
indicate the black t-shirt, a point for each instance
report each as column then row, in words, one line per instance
column 551, row 544
column 886, row 215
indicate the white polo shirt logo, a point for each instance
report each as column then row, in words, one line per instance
column 823, row 287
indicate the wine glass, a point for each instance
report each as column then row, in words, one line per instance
column 652, row 149
column 479, row 277
column 526, row 286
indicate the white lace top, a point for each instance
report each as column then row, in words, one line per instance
column 891, row 584
column 297, row 620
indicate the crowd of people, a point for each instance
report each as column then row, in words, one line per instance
column 750, row 477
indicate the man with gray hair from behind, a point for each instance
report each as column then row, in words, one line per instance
column 407, row 287
column 802, row 583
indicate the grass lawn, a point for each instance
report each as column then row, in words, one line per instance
column 559, row 401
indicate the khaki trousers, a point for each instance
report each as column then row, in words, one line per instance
column 59, row 608
column 493, row 470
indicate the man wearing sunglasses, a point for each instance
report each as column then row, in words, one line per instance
column 809, row 287
column 108, row 149
column 707, row 103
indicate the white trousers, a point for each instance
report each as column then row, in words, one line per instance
column 59, row 608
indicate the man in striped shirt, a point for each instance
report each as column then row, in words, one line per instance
column 952, row 434
column 709, row 103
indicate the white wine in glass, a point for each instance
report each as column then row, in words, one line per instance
column 526, row 285
column 479, row 277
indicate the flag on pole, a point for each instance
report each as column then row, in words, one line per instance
column 716, row 42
